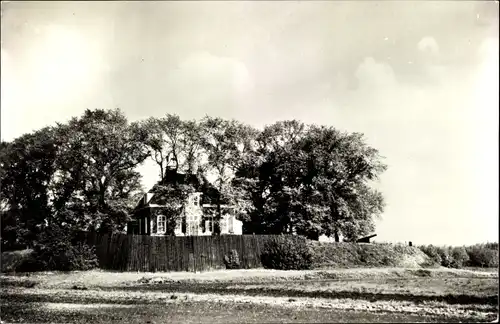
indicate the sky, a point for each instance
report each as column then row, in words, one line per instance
column 418, row 78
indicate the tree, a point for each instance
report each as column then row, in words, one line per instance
column 77, row 175
column 311, row 180
column 192, row 147
column 97, row 163
column 341, row 167
column 225, row 142
column 27, row 164
column 270, row 174
column 174, row 143
column 163, row 140
column 459, row 256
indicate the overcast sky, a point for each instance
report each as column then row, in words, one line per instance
column 419, row 79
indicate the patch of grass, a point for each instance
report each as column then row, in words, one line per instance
column 208, row 312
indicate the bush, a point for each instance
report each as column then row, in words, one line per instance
column 479, row 255
column 459, row 257
column 432, row 252
column 59, row 249
column 12, row 261
column 286, row 253
column 232, row 261
column 444, row 253
column 482, row 255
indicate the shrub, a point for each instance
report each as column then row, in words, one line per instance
column 481, row 255
column 444, row 253
column 459, row 257
column 232, row 261
column 432, row 252
column 59, row 249
column 286, row 253
column 66, row 257
column 13, row 261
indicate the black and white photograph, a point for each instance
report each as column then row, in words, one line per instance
column 249, row 161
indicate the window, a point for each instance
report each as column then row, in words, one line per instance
column 192, row 228
column 209, row 225
column 196, row 200
column 161, row 224
column 231, row 224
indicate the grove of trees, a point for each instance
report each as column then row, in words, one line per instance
column 286, row 178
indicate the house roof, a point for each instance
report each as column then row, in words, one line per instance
column 172, row 178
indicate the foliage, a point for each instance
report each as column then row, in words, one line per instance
column 311, row 181
column 225, row 143
column 288, row 178
column 172, row 198
column 80, row 173
column 232, row 261
column 459, row 257
column 444, row 253
column 175, row 143
column 286, row 253
column 101, row 151
column 58, row 250
column 483, row 255
column 12, row 261
column 479, row 255
column 27, row 166
column 432, row 252
column 349, row 255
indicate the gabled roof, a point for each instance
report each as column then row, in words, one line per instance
column 173, row 178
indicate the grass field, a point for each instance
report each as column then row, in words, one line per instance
column 252, row 296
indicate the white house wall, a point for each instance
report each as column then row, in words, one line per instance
column 193, row 214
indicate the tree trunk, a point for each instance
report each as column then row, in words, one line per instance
column 217, row 229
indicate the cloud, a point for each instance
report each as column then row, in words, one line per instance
column 371, row 73
column 438, row 142
column 428, row 45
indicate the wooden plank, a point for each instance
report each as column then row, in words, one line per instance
column 164, row 253
column 180, row 250
column 170, row 255
column 206, row 251
column 140, row 253
column 184, row 256
column 220, row 252
column 133, row 254
column 188, row 253
column 147, row 252
column 161, row 254
column 152, row 254
column 195, row 253
column 175, row 250
column 179, row 254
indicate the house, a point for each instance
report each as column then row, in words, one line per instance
column 153, row 214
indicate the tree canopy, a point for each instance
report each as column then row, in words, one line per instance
column 289, row 177
column 79, row 175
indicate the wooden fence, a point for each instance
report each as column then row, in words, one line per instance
column 170, row 253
